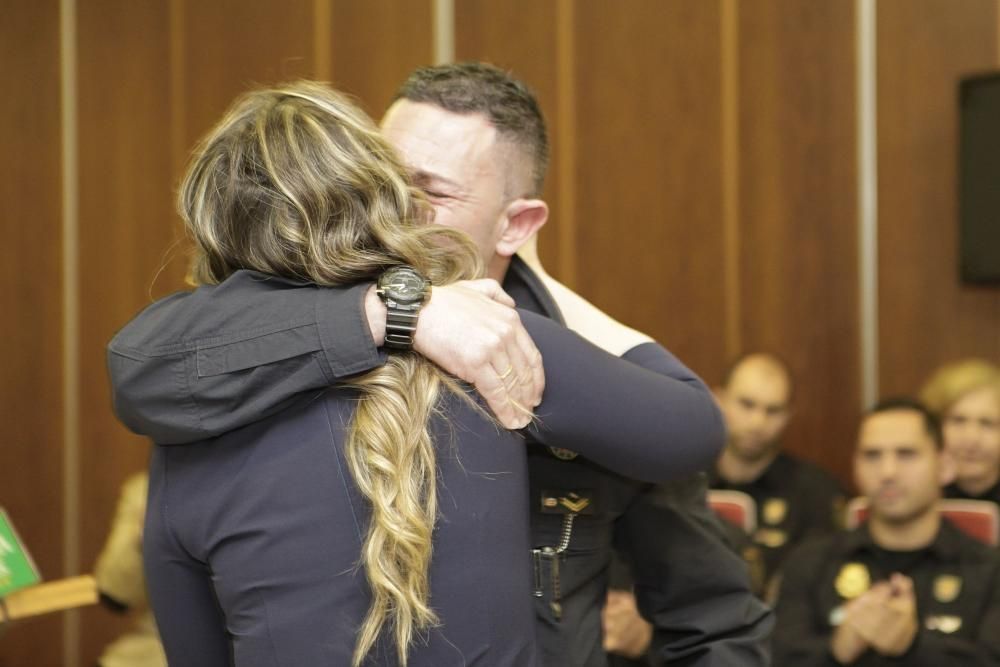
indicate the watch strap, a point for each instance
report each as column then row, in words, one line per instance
column 400, row 326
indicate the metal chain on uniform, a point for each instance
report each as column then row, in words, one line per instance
column 553, row 556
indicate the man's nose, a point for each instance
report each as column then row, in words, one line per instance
column 965, row 429
column 888, row 467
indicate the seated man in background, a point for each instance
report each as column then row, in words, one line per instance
column 905, row 588
column 122, row 584
column 795, row 499
column 965, row 396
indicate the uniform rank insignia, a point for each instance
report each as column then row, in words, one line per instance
column 567, row 502
column 947, row 587
column 836, row 616
column 774, row 510
column 564, row 454
column 770, row 537
column 945, row 624
column 852, row 581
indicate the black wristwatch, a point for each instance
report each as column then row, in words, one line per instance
column 404, row 292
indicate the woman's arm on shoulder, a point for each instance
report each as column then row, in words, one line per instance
column 652, row 422
column 196, row 364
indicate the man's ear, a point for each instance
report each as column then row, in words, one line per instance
column 522, row 219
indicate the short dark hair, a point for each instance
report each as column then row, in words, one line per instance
column 905, row 403
column 508, row 103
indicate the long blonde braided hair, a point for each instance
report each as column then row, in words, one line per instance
column 296, row 181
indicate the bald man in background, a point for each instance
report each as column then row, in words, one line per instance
column 795, row 499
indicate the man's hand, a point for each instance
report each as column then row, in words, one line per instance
column 471, row 330
column 625, row 631
column 847, row 644
column 895, row 626
column 885, row 617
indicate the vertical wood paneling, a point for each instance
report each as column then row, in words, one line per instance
column 635, row 94
column 521, row 36
column 564, row 144
column 230, row 46
column 31, row 487
column 126, row 231
column 649, row 196
column 729, row 101
column 374, row 45
column 798, row 215
column 927, row 317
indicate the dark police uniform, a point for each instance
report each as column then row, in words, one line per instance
column 956, row 581
column 687, row 581
column 691, row 586
column 698, row 576
column 265, row 523
column 795, row 500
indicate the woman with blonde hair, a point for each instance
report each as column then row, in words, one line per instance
column 966, row 397
column 382, row 520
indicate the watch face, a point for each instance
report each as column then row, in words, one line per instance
column 403, row 284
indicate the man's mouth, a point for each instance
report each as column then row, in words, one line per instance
column 889, row 494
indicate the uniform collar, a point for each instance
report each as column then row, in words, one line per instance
column 528, row 291
column 774, row 478
column 776, row 475
column 992, row 494
column 946, row 546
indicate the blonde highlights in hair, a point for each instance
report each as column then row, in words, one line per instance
column 954, row 381
column 296, row 181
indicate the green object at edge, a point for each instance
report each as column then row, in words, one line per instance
column 17, row 570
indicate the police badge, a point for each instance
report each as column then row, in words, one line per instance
column 563, row 454
column 852, row 581
column 947, row 587
column 775, row 510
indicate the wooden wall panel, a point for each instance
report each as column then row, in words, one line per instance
column 927, row 317
column 519, row 36
column 229, row 46
column 798, row 222
column 374, row 45
column 31, row 302
column 636, row 102
column 648, row 170
column 126, row 235
column 522, row 36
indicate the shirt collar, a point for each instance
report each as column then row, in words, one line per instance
column 946, row 546
column 527, row 290
column 775, row 476
column 953, row 490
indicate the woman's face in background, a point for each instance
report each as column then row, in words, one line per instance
column 972, row 437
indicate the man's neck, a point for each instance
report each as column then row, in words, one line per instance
column 738, row 470
column 911, row 535
column 497, row 268
column 529, row 253
column 977, row 487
